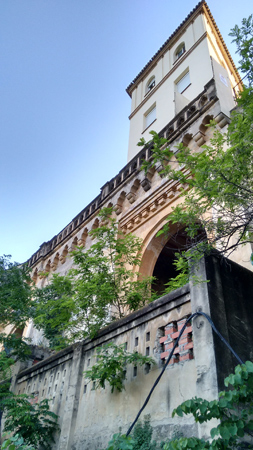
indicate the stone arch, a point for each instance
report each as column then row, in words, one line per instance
column 120, row 202
column 74, row 243
column 55, row 262
column 35, row 276
column 95, row 224
column 64, row 254
column 131, row 196
column 152, row 246
column 82, row 240
column 159, row 253
column 48, row 266
column 202, row 101
column 186, row 139
column 204, row 123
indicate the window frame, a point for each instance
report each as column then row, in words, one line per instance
column 180, row 50
column 150, row 84
column 179, row 80
column 147, row 123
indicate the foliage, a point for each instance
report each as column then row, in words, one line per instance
column 216, row 181
column 101, row 287
column 182, row 266
column 15, row 293
column 120, row 442
column 243, row 37
column 35, row 423
column 15, row 442
column 142, row 436
column 53, row 308
column 141, row 439
column 111, row 366
column 32, row 424
column 233, row 409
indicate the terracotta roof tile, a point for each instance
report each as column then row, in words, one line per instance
column 198, row 6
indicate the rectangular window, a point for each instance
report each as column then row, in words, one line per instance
column 183, row 83
column 150, row 117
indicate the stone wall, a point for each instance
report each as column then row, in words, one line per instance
column 88, row 418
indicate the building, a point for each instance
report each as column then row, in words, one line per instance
column 190, row 80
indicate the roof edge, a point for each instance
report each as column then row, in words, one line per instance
column 201, row 6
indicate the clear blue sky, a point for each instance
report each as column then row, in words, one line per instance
column 64, row 111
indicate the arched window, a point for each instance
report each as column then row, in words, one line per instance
column 150, row 84
column 179, row 51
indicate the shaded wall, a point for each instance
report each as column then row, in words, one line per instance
column 88, row 418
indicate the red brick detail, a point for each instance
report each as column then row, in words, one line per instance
column 169, row 346
column 187, row 330
column 186, row 356
column 163, row 339
column 174, row 359
column 170, row 330
column 175, row 335
column 183, row 340
column 189, row 345
column 164, row 355
column 33, row 400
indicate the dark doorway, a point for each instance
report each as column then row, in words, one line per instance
column 164, row 268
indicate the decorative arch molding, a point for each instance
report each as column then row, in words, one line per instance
column 35, row 275
column 48, row 266
column 95, row 224
column 186, row 139
column 205, row 122
column 120, row 202
column 55, row 262
column 131, row 196
column 64, row 254
column 152, row 247
column 74, row 243
column 82, row 240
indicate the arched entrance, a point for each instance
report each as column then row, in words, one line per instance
column 159, row 256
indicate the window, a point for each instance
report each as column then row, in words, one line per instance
column 150, row 117
column 150, row 84
column 183, row 83
column 179, row 51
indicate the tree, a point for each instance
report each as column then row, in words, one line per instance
column 217, row 181
column 111, row 366
column 100, row 288
column 15, row 293
column 32, row 424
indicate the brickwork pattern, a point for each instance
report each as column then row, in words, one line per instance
column 184, row 350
